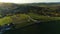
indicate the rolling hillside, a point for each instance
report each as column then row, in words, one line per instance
column 19, row 13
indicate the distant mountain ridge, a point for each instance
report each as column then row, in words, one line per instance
column 38, row 8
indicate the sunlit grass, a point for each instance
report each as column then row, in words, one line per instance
column 43, row 18
column 22, row 19
column 5, row 20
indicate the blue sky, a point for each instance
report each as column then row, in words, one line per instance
column 28, row 1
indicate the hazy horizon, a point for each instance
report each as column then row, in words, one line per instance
column 28, row 1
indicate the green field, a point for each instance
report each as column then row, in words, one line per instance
column 22, row 20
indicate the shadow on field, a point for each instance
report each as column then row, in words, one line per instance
column 50, row 27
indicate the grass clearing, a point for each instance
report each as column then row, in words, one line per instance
column 22, row 19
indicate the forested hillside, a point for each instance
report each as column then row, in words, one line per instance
column 21, row 13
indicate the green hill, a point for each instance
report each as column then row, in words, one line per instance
column 19, row 13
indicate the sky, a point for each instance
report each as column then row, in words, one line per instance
column 28, row 1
